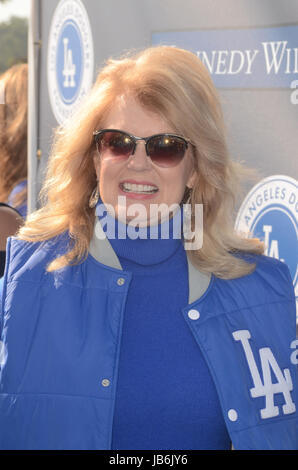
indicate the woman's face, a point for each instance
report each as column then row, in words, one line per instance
column 129, row 116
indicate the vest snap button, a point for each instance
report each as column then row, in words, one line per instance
column 120, row 281
column 194, row 314
column 232, row 415
column 105, row 382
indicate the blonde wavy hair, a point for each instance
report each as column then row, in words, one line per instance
column 174, row 83
column 13, row 132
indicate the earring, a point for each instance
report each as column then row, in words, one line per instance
column 186, row 196
column 94, row 197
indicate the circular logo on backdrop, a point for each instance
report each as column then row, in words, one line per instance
column 70, row 58
column 270, row 212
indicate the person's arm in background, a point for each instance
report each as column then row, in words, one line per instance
column 10, row 222
column 1, row 289
column 1, row 323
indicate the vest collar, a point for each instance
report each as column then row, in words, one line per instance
column 101, row 249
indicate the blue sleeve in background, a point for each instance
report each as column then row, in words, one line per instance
column 1, row 289
column 16, row 190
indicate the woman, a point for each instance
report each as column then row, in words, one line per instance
column 13, row 138
column 135, row 342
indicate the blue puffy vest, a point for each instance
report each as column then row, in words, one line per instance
column 61, row 336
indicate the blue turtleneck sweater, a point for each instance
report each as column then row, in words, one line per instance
column 165, row 398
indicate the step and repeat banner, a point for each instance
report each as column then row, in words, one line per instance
column 249, row 48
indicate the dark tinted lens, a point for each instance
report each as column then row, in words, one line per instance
column 116, row 143
column 166, row 150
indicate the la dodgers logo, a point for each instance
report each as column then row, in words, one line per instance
column 70, row 58
column 270, row 212
column 263, row 385
column 69, row 70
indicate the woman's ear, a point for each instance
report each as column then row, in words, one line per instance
column 96, row 162
column 191, row 179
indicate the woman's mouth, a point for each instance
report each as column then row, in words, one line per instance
column 138, row 188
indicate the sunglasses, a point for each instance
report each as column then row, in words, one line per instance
column 165, row 150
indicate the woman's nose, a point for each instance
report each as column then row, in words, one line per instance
column 139, row 160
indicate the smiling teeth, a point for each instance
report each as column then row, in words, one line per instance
column 139, row 188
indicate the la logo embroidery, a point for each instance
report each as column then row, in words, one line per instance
column 266, row 388
column 69, row 69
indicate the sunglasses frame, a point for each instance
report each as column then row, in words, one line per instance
column 136, row 139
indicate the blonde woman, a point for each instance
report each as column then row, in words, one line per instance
column 13, row 137
column 116, row 339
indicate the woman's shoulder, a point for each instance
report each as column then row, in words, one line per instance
column 273, row 269
column 269, row 282
column 24, row 256
column 20, row 246
column 265, row 265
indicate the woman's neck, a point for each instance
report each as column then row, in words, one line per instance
column 144, row 245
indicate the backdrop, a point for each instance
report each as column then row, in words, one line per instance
column 251, row 51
